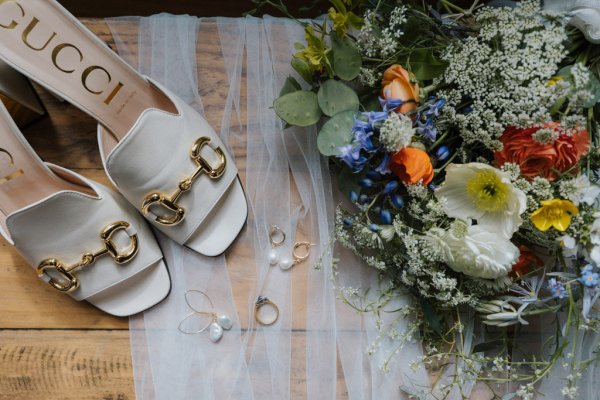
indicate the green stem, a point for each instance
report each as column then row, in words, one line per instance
column 438, row 141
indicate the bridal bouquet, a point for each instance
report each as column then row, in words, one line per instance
column 467, row 141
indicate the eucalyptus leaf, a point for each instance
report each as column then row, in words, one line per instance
column 302, row 67
column 509, row 396
column 291, row 85
column 336, row 132
column 299, row 108
column 335, row 97
column 346, row 57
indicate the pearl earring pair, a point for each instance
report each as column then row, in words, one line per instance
column 300, row 253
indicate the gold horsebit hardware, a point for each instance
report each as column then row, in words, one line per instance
column 67, row 272
column 176, row 213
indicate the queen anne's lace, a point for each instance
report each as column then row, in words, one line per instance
column 505, row 72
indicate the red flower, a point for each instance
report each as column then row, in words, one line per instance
column 536, row 159
column 526, row 262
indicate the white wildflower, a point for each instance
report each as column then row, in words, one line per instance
column 579, row 190
column 396, row 132
column 546, row 136
column 542, row 188
column 505, row 70
column 512, row 169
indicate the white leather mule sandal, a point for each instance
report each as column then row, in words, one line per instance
column 82, row 238
column 159, row 152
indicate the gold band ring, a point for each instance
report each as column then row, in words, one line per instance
column 265, row 302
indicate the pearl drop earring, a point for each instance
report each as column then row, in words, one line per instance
column 276, row 237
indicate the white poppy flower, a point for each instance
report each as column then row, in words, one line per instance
column 483, row 193
column 481, row 253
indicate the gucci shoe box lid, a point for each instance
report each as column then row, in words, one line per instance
column 19, row 96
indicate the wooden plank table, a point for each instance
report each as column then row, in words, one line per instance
column 54, row 348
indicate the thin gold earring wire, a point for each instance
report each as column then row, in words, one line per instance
column 196, row 312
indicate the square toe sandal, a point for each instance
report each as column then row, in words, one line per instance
column 82, row 238
column 159, row 152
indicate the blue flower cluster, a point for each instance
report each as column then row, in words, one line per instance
column 355, row 154
column 588, row 277
column 425, row 118
column 365, row 149
column 557, row 288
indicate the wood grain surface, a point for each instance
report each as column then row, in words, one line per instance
column 54, row 348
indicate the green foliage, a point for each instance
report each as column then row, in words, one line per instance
column 348, row 181
column 302, row 67
column 424, row 64
column 336, row 132
column 291, row 85
column 299, row 108
column 335, row 97
column 346, row 57
column 431, row 316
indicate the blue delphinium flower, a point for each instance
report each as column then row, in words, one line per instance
column 442, row 153
column 360, row 125
column 385, row 216
column 425, row 124
column 350, row 154
column 588, row 277
column 557, row 288
column 375, row 116
column 374, row 228
column 384, row 166
column 397, row 200
column 364, row 139
column 390, row 104
column 435, row 108
column 427, row 129
column 390, row 187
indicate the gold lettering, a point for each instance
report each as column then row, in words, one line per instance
column 86, row 74
column 14, row 23
column 62, row 64
column 112, row 95
column 60, row 48
column 28, row 30
column 11, row 163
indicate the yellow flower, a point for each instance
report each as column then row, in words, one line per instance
column 555, row 213
column 315, row 52
column 343, row 18
column 487, row 191
column 339, row 21
column 554, row 81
